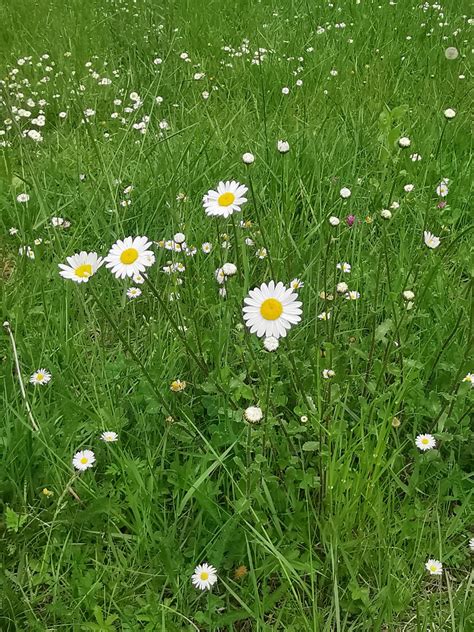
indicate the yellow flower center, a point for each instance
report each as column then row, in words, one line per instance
column 424, row 441
column 83, row 271
column 128, row 256
column 204, row 576
column 84, row 460
column 271, row 309
column 226, row 199
column 433, row 568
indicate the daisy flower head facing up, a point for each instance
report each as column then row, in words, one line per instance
column 133, row 292
column 431, row 240
column 404, row 141
column 109, row 436
column 226, row 200
column 177, row 386
column 40, row 377
column 83, row 460
column 271, row 310
column 204, row 577
column 129, row 257
column 425, row 442
column 81, row 266
column 434, row 567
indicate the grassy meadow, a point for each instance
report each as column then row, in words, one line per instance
column 325, row 475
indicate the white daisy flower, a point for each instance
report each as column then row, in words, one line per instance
column 469, row 378
column 129, row 257
column 83, row 460
column 342, row 287
column 22, row 198
column 296, row 284
column 442, row 189
column 345, row 193
column 352, row 295
column 404, row 142
column 434, row 567
column 283, row 146
column 449, row 113
column 179, row 238
column 271, row 343
column 133, row 292
column 334, row 221
column 271, row 310
column 81, row 266
column 228, row 199
column 109, row 437
column 425, row 442
column 408, row 295
column 430, row 240
column 471, row 544
column 328, row 373
column 385, row 214
column 253, row 414
column 229, row 269
column 344, row 266
column 204, row 576
column 41, row 377
column 324, row 316
column 248, row 158
column 206, row 247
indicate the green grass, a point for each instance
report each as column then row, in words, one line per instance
column 335, row 516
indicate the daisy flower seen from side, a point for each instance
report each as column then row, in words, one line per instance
column 129, row 257
column 109, row 436
column 40, row 377
column 81, row 266
column 204, row 577
column 431, row 240
column 226, row 200
column 83, row 460
column 271, row 310
column 469, row 378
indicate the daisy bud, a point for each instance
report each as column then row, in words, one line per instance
column 248, row 158
column 283, row 146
